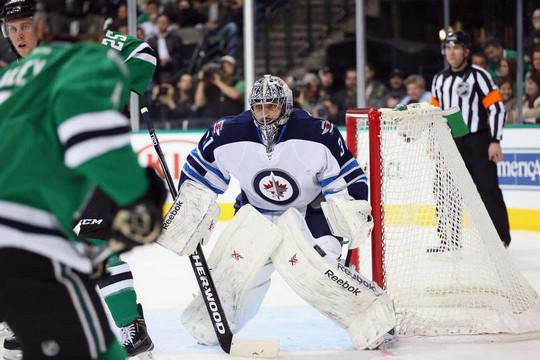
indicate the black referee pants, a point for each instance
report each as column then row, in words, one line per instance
column 55, row 311
column 474, row 151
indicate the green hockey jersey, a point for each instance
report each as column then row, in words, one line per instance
column 62, row 137
column 137, row 55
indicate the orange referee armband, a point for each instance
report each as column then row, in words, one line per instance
column 491, row 98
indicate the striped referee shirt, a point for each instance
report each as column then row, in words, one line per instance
column 474, row 92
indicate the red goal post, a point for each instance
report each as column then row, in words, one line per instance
column 351, row 123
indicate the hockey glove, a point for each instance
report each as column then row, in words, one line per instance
column 139, row 223
column 350, row 219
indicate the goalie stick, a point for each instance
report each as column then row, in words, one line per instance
column 228, row 342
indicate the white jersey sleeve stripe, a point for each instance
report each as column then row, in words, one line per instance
column 27, row 214
column 91, row 148
column 88, row 122
column 198, row 157
column 136, row 51
column 146, row 57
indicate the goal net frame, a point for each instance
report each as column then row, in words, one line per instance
column 512, row 324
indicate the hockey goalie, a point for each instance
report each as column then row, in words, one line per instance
column 302, row 195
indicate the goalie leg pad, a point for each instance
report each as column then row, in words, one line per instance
column 342, row 295
column 190, row 219
column 241, row 271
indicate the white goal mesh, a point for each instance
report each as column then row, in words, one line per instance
column 443, row 263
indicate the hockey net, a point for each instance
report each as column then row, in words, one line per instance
column 434, row 247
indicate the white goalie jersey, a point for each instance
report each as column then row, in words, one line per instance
column 309, row 158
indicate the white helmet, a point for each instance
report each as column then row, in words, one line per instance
column 270, row 90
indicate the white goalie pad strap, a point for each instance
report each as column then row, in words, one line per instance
column 350, row 219
column 336, row 291
column 241, row 271
column 190, row 219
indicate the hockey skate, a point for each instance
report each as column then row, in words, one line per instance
column 12, row 348
column 385, row 342
column 136, row 340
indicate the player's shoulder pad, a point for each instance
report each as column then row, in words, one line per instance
column 231, row 128
column 302, row 125
column 89, row 58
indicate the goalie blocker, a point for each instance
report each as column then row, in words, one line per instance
column 242, row 264
column 190, row 219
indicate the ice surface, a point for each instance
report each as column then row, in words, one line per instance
column 165, row 284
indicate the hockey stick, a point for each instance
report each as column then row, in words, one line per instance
column 228, row 342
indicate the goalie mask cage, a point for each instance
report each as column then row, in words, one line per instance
column 434, row 248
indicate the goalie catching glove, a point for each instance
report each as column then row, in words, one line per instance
column 350, row 219
column 140, row 222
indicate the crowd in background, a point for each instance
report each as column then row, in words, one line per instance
column 197, row 79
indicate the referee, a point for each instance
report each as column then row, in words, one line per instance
column 471, row 89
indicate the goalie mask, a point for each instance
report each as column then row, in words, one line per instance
column 271, row 104
column 71, row 19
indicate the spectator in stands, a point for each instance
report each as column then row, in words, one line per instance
column 531, row 100
column 506, row 88
column 397, row 90
column 148, row 19
column 220, row 24
column 295, row 85
column 416, row 90
column 508, row 70
column 479, row 59
column 375, row 90
column 534, row 35
column 327, row 109
column 185, row 102
column 346, row 98
column 189, row 13
column 327, row 83
column 122, row 13
column 141, row 34
column 237, row 12
column 163, row 103
column 219, row 93
column 168, row 46
column 309, row 93
column 535, row 60
column 495, row 52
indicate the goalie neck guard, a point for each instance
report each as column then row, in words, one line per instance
column 71, row 19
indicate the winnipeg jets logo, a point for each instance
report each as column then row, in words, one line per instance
column 276, row 186
column 327, row 127
column 293, row 260
column 236, row 256
column 463, row 89
column 218, row 127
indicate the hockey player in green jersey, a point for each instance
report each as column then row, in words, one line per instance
column 64, row 137
column 117, row 284
column 139, row 57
